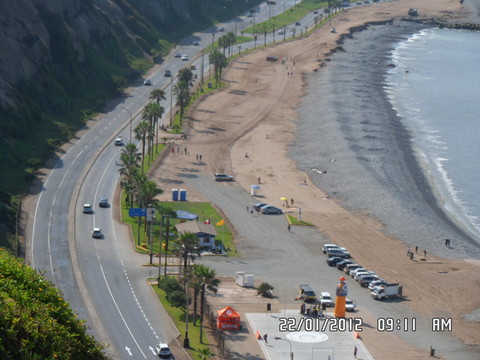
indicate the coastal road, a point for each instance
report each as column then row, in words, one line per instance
column 102, row 279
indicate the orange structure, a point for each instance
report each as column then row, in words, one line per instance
column 228, row 319
column 341, row 298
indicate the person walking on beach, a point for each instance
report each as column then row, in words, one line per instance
column 259, row 180
column 416, row 249
column 248, row 208
column 265, row 338
column 291, row 201
column 288, row 227
column 425, row 253
column 355, row 352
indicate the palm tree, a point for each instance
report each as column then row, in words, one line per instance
column 187, row 246
column 206, row 279
column 231, row 39
column 186, row 75
column 219, row 61
column 182, row 93
column 129, row 167
column 158, row 95
column 141, row 131
column 153, row 112
column 205, row 354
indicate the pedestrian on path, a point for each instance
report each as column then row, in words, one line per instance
column 265, row 338
column 248, row 208
column 259, row 180
column 288, row 227
column 416, row 249
column 355, row 352
column 291, row 201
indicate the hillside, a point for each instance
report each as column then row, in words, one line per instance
column 62, row 60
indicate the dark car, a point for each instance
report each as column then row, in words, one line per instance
column 97, row 233
column 332, row 261
column 103, row 202
column 269, row 209
column 341, row 264
column 258, row 206
column 272, row 58
column 223, row 177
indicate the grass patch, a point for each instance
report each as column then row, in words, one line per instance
column 294, row 221
column 178, row 318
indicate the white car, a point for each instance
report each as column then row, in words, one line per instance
column 119, row 141
column 163, row 350
column 184, row 57
column 97, row 233
column 359, row 269
column 87, row 209
column 326, row 298
column 221, row 29
column 350, row 305
column 147, row 82
column 280, row 32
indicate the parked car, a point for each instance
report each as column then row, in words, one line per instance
column 359, row 274
column 97, row 233
column 366, row 280
column 87, row 209
column 272, row 58
column 340, row 265
column 325, row 247
column 103, row 202
column 147, row 82
column 350, row 267
column 350, row 305
column 258, row 206
column 376, row 283
column 223, row 177
column 332, row 261
column 270, row 209
column 307, row 294
column 163, row 351
column 352, row 272
column 326, row 298
column 167, row 73
column 338, row 253
column 118, row 141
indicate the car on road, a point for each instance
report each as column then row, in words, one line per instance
column 350, row 267
column 350, row 305
column 315, row 11
column 87, row 209
column 280, row 32
column 297, row 23
column 167, row 73
column 103, row 203
column 338, row 253
column 378, row 282
column 221, row 28
column 196, row 42
column 333, row 260
column 118, row 141
column 270, row 209
column 367, row 279
column 163, row 351
column 340, row 265
column 177, row 55
column 147, row 82
column 223, row 177
column 326, row 298
column 258, row 206
column 184, row 57
column 97, row 233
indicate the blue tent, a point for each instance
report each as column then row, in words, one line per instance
column 182, row 214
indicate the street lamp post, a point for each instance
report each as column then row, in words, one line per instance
column 289, row 343
column 130, row 122
column 171, row 100
column 186, row 341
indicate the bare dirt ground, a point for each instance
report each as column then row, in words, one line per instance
column 244, row 128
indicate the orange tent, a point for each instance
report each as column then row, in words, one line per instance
column 228, row 318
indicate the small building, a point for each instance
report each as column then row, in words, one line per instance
column 205, row 232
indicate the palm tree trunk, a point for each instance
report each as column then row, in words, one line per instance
column 202, row 309
column 195, row 303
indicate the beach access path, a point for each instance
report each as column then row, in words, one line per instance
column 253, row 115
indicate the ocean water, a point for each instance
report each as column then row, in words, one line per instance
column 435, row 89
column 392, row 118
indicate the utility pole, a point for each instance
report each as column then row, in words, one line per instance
column 203, row 56
column 171, row 101
column 186, row 341
column 166, row 246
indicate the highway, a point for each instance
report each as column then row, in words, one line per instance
column 103, row 279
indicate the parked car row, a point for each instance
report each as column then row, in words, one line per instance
column 325, row 300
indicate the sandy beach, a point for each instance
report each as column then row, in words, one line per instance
column 252, row 127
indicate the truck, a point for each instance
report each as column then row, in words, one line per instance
column 386, row 291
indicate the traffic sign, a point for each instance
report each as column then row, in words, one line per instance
column 137, row 212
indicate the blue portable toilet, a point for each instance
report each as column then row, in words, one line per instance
column 175, row 194
column 183, row 195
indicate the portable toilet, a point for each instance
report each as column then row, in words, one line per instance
column 183, row 195
column 175, row 194
column 239, row 279
column 249, row 280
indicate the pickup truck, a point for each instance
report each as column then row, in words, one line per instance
column 386, row 291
